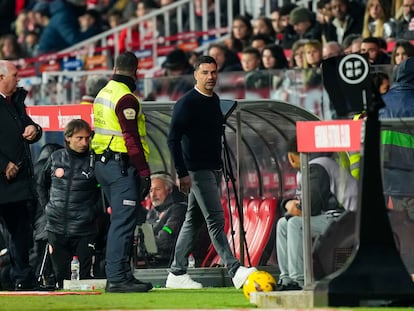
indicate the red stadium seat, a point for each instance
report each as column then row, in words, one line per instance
column 259, row 218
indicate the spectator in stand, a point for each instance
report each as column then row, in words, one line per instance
column 91, row 19
column 312, row 51
column 346, row 20
column 192, row 57
column 63, row 29
column 297, row 56
column 347, row 42
column 250, row 59
column 402, row 50
column 251, row 62
column 146, row 29
column 324, row 11
column 331, row 49
column 305, row 25
column 259, row 41
column 7, row 16
column 241, row 34
column 376, row 56
column 405, row 24
column 114, row 20
column 10, row 49
column 226, row 60
column 41, row 15
column 356, row 45
column 72, row 209
column 381, row 81
column 93, row 84
column 378, row 21
column 288, row 33
column 323, row 15
column 176, row 66
column 275, row 17
column 31, row 39
column 273, row 57
column 263, row 25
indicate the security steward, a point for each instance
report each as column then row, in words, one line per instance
column 121, row 167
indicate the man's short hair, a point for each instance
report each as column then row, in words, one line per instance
column 165, row 177
column 94, row 84
column 126, row 63
column 204, row 59
column 75, row 126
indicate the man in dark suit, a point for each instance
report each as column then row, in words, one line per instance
column 17, row 191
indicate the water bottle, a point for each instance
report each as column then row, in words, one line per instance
column 191, row 261
column 74, row 268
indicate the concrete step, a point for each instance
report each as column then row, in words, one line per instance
column 295, row 299
column 209, row 277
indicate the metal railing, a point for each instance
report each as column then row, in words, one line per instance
column 184, row 15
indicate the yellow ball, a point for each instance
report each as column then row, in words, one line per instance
column 259, row 281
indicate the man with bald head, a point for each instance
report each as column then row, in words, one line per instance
column 331, row 49
column 17, row 193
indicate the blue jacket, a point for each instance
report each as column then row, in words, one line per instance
column 398, row 145
column 399, row 100
column 63, row 29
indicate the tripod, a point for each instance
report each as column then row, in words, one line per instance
column 229, row 178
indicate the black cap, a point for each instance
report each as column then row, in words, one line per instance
column 177, row 59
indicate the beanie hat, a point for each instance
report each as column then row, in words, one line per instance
column 300, row 14
column 176, row 59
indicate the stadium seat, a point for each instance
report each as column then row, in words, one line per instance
column 259, row 216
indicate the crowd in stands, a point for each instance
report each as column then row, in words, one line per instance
column 290, row 37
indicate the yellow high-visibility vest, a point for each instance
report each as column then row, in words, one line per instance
column 108, row 131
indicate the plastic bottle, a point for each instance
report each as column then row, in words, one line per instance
column 74, row 268
column 191, row 261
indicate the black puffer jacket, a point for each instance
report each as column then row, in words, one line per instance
column 74, row 196
column 43, row 196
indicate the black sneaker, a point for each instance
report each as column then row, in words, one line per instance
column 129, row 286
column 291, row 286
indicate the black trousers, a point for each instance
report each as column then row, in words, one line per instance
column 16, row 216
column 64, row 248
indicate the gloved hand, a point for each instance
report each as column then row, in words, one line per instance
column 144, row 186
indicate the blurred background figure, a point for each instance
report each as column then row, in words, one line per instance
column 331, row 49
column 241, row 34
column 63, row 29
column 405, row 26
column 401, row 51
column 377, row 20
column 93, row 84
column 10, row 49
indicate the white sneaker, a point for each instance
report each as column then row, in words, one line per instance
column 241, row 276
column 183, row 281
